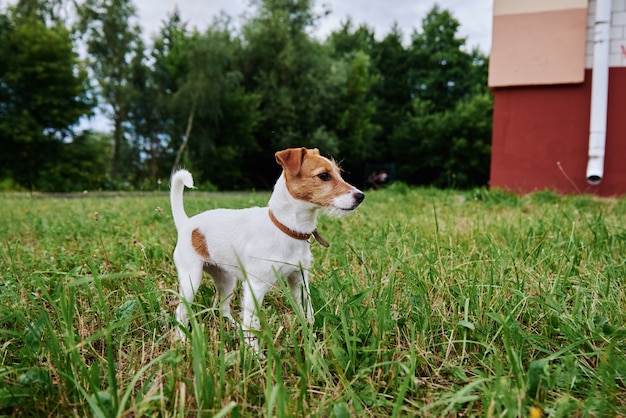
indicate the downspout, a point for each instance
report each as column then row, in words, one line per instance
column 599, row 92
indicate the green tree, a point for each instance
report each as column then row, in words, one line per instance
column 355, row 126
column 113, row 40
column 392, row 90
column 207, row 119
column 145, row 116
column 83, row 166
column 445, row 134
column 155, row 116
column 227, row 115
column 469, row 155
column 290, row 72
column 355, row 105
column 440, row 68
column 50, row 12
column 199, row 93
column 43, row 93
column 347, row 40
column 450, row 148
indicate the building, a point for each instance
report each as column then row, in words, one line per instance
column 549, row 59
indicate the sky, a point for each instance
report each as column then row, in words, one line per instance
column 473, row 15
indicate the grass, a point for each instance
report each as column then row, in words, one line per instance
column 428, row 303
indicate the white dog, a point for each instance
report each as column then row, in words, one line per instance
column 259, row 245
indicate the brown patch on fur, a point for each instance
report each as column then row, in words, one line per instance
column 198, row 242
column 302, row 168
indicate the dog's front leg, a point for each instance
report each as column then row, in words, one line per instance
column 299, row 285
column 254, row 291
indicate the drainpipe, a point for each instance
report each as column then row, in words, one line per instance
column 599, row 92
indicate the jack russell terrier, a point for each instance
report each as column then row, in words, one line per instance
column 259, row 245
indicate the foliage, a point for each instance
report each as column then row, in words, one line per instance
column 112, row 42
column 440, row 70
column 392, row 91
column 221, row 100
column 428, row 303
column 84, row 166
column 288, row 70
column 448, row 148
column 356, row 107
column 190, row 102
column 445, row 135
column 42, row 94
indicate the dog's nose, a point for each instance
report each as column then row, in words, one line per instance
column 359, row 196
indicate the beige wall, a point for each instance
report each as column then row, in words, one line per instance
column 509, row 7
column 538, row 42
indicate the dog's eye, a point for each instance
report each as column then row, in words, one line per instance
column 324, row 176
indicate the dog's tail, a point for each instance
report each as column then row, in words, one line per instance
column 180, row 179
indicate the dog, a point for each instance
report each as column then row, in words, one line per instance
column 259, row 245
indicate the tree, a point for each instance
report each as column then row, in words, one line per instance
column 208, row 120
column 112, row 42
column 440, row 68
column 153, row 115
column 444, row 136
column 354, row 125
column 50, row 12
column 392, row 92
column 450, row 148
column 145, row 114
column 83, row 166
column 347, row 40
column 290, row 72
column 355, row 104
column 202, row 84
column 221, row 101
column 43, row 93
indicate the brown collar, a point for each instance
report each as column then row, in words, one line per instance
column 297, row 235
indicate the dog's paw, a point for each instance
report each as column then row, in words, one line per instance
column 258, row 353
column 180, row 335
column 251, row 340
column 252, row 343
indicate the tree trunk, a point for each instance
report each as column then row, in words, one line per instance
column 179, row 154
column 117, row 145
column 154, row 153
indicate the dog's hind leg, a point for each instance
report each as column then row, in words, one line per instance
column 225, row 285
column 190, row 278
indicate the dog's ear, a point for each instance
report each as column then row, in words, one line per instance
column 291, row 159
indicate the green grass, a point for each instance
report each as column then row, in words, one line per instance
column 428, row 303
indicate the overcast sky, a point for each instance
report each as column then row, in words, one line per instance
column 473, row 15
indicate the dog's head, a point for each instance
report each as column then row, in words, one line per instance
column 317, row 180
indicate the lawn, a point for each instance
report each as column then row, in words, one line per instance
column 428, row 303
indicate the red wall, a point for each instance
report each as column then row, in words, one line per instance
column 537, row 127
